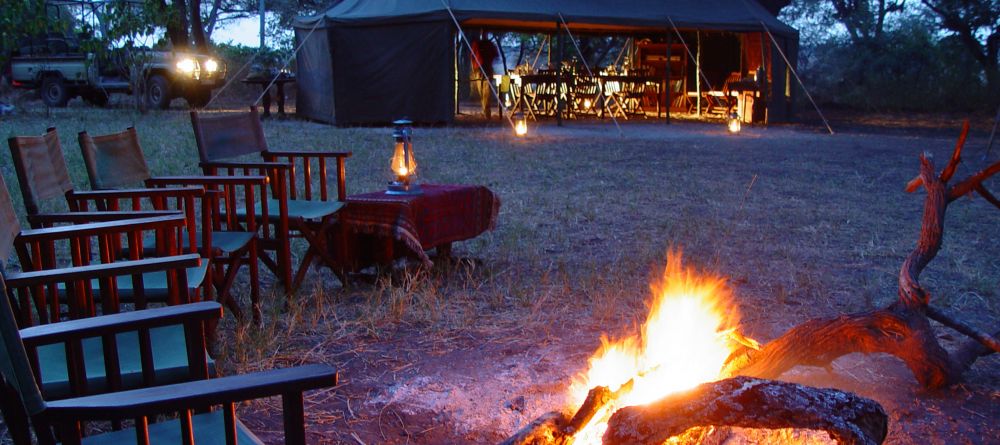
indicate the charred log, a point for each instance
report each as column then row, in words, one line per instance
column 751, row 403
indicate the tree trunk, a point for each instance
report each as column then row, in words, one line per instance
column 197, row 29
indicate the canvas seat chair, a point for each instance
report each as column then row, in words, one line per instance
column 300, row 202
column 116, row 161
column 43, row 303
column 720, row 102
column 44, row 180
column 587, row 95
column 26, row 409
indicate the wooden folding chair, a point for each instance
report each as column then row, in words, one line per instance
column 293, row 177
column 25, row 408
column 43, row 177
column 42, row 303
column 116, row 161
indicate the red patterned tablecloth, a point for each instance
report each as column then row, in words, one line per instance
column 378, row 228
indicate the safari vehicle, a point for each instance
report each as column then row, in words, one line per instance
column 60, row 70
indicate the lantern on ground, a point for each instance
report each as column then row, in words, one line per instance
column 734, row 123
column 520, row 124
column 403, row 163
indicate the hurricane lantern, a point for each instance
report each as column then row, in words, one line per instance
column 734, row 123
column 403, row 163
column 520, row 124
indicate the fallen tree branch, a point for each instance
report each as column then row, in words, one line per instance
column 751, row 403
column 960, row 326
column 902, row 329
column 949, row 169
column 987, row 195
column 965, row 187
column 897, row 330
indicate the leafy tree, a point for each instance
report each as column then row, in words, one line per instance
column 976, row 24
column 19, row 19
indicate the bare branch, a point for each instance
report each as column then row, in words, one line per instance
column 987, row 195
column 949, row 170
column 969, row 184
column 960, row 326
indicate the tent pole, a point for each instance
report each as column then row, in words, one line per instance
column 669, row 93
column 482, row 70
column 697, row 67
column 700, row 75
column 795, row 72
column 587, row 66
column 559, row 83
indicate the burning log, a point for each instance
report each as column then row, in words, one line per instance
column 556, row 428
column 902, row 329
column 740, row 401
column 751, row 403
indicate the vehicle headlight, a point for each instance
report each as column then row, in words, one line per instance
column 187, row 65
column 211, row 65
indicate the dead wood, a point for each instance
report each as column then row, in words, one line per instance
column 556, row 428
column 902, row 329
column 751, row 403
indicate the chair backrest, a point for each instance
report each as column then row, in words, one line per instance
column 40, row 167
column 114, row 160
column 229, row 135
column 14, row 365
column 9, row 225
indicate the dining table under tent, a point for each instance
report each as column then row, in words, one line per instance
column 369, row 62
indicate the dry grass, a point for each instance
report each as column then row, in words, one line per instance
column 586, row 218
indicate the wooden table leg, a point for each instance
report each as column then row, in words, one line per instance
column 444, row 251
column 267, row 101
column 281, row 99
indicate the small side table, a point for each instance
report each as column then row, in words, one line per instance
column 376, row 228
column 279, row 83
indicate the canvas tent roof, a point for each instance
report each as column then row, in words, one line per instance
column 597, row 15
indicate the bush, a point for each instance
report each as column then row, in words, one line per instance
column 909, row 70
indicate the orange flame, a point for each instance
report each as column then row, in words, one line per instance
column 683, row 343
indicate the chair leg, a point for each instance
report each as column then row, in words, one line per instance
column 254, row 266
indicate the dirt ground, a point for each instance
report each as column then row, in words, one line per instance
column 804, row 224
column 481, row 382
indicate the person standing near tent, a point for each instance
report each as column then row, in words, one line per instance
column 484, row 52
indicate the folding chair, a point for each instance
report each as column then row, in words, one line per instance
column 43, row 176
column 222, row 137
column 43, row 303
column 116, row 161
column 26, row 408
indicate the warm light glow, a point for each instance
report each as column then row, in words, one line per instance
column 586, row 104
column 211, row 65
column 402, row 166
column 734, row 125
column 684, row 342
column 521, row 128
column 187, row 65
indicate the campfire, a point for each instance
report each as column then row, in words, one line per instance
column 684, row 342
column 664, row 380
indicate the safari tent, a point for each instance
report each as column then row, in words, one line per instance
column 374, row 61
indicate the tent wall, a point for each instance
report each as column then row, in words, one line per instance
column 779, row 106
column 314, row 99
column 388, row 72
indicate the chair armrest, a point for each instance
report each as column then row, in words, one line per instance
column 207, row 180
column 137, row 193
column 99, row 228
column 121, row 322
column 248, row 165
column 309, row 154
column 192, row 395
column 90, row 217
column 120, row 268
